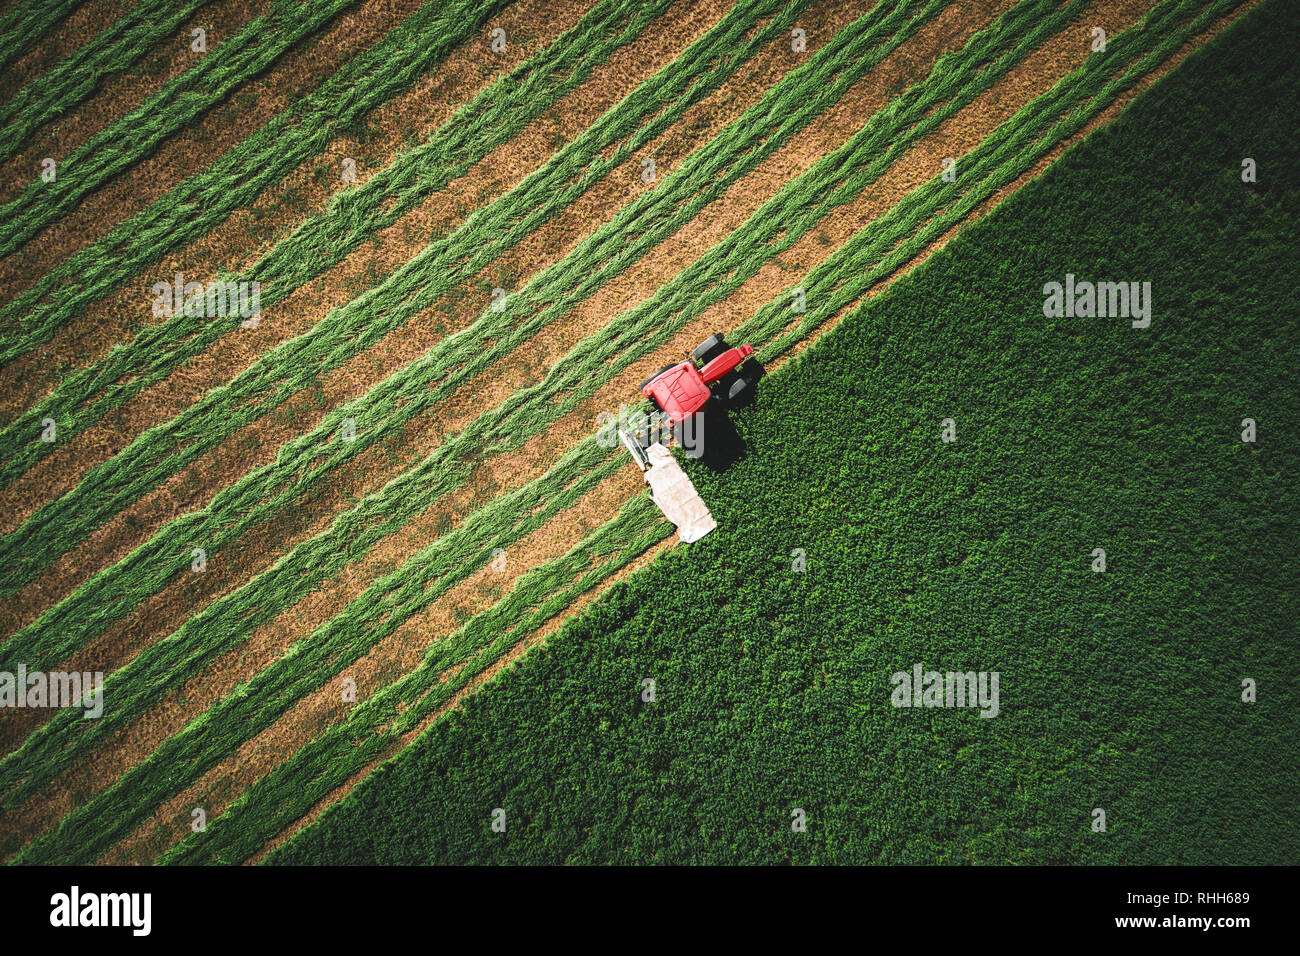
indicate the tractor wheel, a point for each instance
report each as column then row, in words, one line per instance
column 740, row 391
column 709, row 349
column 655, row 376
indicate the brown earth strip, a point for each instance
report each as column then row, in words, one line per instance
column 82, row 24
column 1106, row 116
column 118, row 95
column 249, row 233
column 394, row 655
column 258, row 444
column 193, row 148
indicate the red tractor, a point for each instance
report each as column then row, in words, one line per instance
column 683, row 389
column 723, row 378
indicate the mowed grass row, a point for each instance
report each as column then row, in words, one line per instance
column 492, row 118
column 78, row 75
column 196, row 751
column 1073, row 433
column 239, row 58
column 238, row 176
column 293, row 788
column 350, row 328
column 234, row 616
column 23, row 25
column 449, row 261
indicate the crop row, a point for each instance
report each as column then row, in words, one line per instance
column 78, row 75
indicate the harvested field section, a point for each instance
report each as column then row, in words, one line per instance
column 248, row 449
column 238, row 243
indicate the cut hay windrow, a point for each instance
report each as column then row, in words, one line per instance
column 295, row 786
column 295, row 575
column 1048, row 108
column 257, row 45
column 79, row 74
column 23, row 25
column 360, row 323
column 237, row 177
column 491, row 119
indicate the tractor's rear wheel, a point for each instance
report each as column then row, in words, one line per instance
column 740, row 390
column 709, row 349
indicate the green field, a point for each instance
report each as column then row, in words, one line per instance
column 1119, row 690
column 361, row 572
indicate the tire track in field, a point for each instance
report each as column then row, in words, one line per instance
column 394, row 654
column 119, row 93
column 256, row 445
column 66, row 37
column 259, row 443
column 193, row 148
column 250, row 232
column 686, row 341
column 713, row 113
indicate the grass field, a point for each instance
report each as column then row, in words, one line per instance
column 308, row 551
